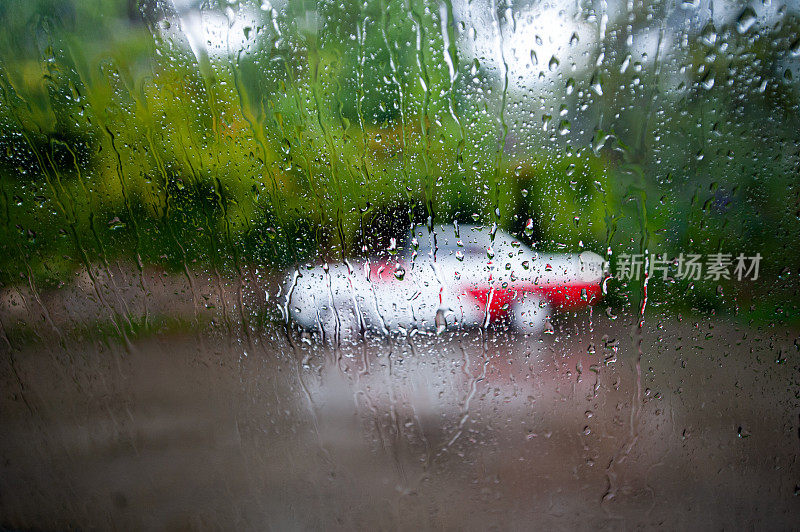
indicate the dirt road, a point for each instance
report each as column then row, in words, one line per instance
column 466, row 430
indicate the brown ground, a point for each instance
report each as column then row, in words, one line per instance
column 462, row 431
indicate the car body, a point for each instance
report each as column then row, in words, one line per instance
column 452, row 276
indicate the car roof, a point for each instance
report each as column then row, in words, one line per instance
column 471, row 237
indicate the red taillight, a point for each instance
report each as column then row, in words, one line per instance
column 499, row 300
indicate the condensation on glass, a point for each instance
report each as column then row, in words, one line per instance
column 456, row 264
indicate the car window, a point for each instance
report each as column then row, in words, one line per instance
column 473, row 239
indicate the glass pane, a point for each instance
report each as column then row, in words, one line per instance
column 453, row 264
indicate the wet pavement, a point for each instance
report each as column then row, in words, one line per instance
column 467, row 430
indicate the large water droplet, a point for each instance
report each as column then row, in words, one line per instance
column 794, row 48
column 746, row 20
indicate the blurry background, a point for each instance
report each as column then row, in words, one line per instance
column 229, row 134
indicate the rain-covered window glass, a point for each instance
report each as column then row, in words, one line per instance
column 420, row 264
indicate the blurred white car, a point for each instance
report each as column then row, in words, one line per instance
column 446, row 278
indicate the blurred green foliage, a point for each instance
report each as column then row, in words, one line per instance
column 122, row 138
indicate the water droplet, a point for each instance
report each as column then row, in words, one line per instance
column 595, row 84
column 709, row 35
column 708, row 81
column 529, row 227
column 115, row 224
column 746, row 20
column 794, row 48
column 625, row 63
